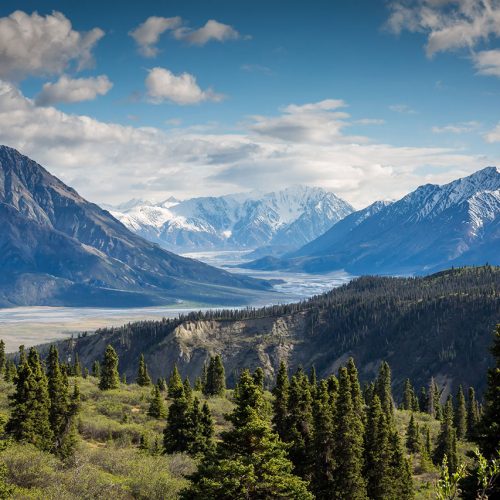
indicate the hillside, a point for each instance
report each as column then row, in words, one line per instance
column 56, row 248
column 432, row 228
column 443, row 323
column 283, row 220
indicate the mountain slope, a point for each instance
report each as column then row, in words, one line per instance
column 432, row 228
column 285, row 219
column 76, row 253
column 443, row 323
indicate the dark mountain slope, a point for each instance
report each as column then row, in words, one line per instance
column 440, row 326
column 51, row 232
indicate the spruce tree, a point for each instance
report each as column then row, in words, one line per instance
column 96, row 369
column 258, row 376
column 348, row 445
column 175, row 387
column 447, row 440
column 188, row 391
column 399, row 470
column 207, row 427
column 157, row 407
column 68, row 440
column 110, row 378
column 413, row 436
column 143, row 378
column 383, row 389
column 423, row 400
column 201, row 428
column 198, row 386
column 177, row 434
column 2, row 356
column 460, row 415
column 215, row 384
column 280, row 401
column 77, row 367
column 408, row 395
column 30, row 404
column 489, row 427
column 357, row 396
column 299, row 423
column 10, row 371
column 472, row 414
column 250, row 461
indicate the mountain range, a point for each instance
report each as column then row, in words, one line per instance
column 431, row 228
column 56, row 248
column 277, row 222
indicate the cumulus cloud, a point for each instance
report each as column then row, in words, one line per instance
column 147, row 34
column 108, row 162
column 68, row 90
column 487, row 62
column 457, row 128
column 163, row 85
column 42, row 45
column 212, row 31
column 448, row 24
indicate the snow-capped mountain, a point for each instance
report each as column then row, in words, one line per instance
column 431, row 228
column 284, row 219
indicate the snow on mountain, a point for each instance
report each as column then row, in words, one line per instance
column 288, row 218
column 431, row 228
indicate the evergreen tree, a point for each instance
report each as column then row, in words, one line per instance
column 201, row 428
column 399, row 471
column 157, row 407
column 258, row 376
column 472, row 414
column 10, row 371
column 413, row 436
column 408, row 395
column 2, row 356
column 250, row 462
column 428, row 442
column 110, row 379
column 357, row 397
column 489, row 428
column 175, row 387
column 207, row 427
column 447, row 440
column 198, row 386
column 348, row 446
column 68, row 439
column 96, row 369
column 460, row 415
column 216, row 379
column 143, row 378
column 280, row 401
column 383, row 389
column 30, row 404
column 177, row 434
column 323, row 444
column 162, row 384
column 299, row 423
column 188, row 391
column 368, row 392
column 423, row 400
column 77, row 367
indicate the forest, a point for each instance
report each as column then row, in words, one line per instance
column 76, row 431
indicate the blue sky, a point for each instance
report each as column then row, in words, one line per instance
column 367, row 98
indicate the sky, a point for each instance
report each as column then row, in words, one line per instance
column 366, row 98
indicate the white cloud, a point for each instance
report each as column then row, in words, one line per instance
column 448, row 24
column 42, row 45
column 370, row 121
column 147, row 34
column 403, row 109
column 68, row 89
column 213, row 30
column 457, row 128
column 163, row 85
column 108, row 162
column 487, row 62
column 493, row 135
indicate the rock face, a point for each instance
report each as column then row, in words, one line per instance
column 283, row 220
column 432, row 228
column 58, row 249
column 443, row 323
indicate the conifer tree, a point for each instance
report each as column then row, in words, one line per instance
column 10, row 371
column 460, row 415
column 68, row 439
column 96, row 369
column 423, row 400
column 216, row 378
column 383, row 389
column 428, row 442
column 143, row 378
column 400, row 471
column 447, row 440
column 162, row 384
column 157, row 407
column 472, row 414
column 201, row 428
column 207, row 427
column 258, row 376
column 368, row 392
column 198, row 386
column 250, row 462
column 280, row 401
column 110, row 379
column 77, row 367
column 299, row 423
column 2, row 356
column 413, row 436
column 408, row 395
column 348, row 445
column 30, row 404
column 489, row 427
column 175, row 386
column 323, row 444
column 357, row 397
